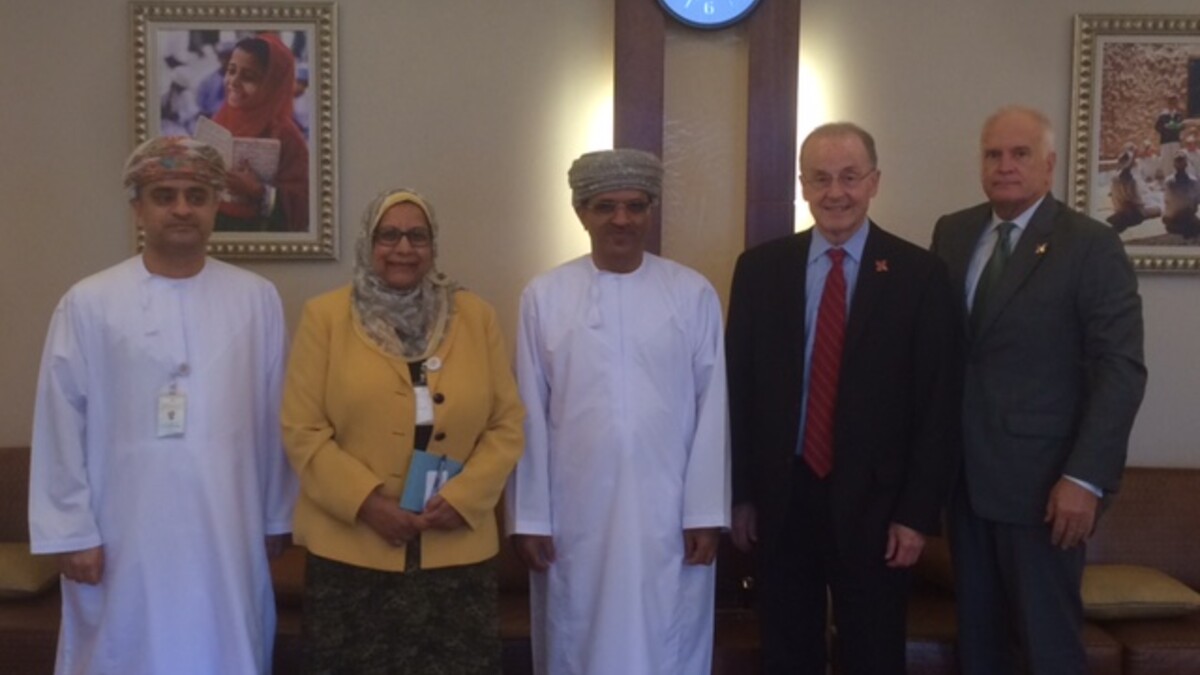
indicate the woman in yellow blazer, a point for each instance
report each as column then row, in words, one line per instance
column 399, row 362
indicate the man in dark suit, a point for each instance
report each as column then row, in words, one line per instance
column 1053, row 379
column 843, row 381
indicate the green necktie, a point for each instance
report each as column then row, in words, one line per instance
column 989, row 279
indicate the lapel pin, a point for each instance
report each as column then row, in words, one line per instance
column 881, row 265
column 433, row 364
column 1042, row 248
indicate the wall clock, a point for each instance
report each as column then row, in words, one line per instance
column 709, row 14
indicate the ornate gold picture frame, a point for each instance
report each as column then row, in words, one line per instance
column 1134, row 154
column 259, row 82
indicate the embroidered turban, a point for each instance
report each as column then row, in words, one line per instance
column 174, row 158
column 620, row 169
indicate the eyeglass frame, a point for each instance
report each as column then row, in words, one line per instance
column 846, row 180
column 610, row 207
column 401, row 235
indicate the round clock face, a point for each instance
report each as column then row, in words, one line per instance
column 708, row 13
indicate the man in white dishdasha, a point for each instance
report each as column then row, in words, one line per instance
column 617, row 503
column 157, row 469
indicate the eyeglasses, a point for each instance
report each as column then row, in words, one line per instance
column 390, row 236
column 608, row 207
column 847, row 180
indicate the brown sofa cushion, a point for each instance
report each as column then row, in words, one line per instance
column 23, row 574
column 1134, row 592
column 1152, row 521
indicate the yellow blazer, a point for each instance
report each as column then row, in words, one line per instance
column 348, row 418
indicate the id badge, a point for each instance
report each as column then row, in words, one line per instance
column 172, row 414
column 424, row 405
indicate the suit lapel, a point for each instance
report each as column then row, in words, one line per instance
column 962, row 248
column 872, row 270
column 795, row 275
column 1024, row 260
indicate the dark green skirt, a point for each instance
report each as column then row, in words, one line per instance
column 360, row 621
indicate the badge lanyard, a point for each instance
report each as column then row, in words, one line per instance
column 172, row 399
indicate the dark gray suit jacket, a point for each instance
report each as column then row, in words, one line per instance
column 1055, row 375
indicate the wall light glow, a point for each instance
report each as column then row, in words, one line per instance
column 582, row 121
column 597, row 128
column 812, row 109
column 600, row 129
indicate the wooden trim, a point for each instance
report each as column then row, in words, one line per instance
column 640, row 47
column 771, row 176
column 774, row 63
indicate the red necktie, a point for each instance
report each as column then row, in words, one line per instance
column 825, row 368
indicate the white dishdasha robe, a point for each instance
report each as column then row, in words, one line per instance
column 623, row 378
column 186, row 585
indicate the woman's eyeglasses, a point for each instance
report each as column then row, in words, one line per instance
column 391, row 236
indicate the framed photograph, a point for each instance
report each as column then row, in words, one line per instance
column 257, row 81
column 1134, row 153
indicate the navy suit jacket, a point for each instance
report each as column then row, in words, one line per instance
column 896, row 436
column 1055, row 375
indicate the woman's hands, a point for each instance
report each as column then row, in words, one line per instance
column 384, row 515
column 397, row 527
column 439, row 515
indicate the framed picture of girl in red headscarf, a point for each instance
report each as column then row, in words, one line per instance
column 257, row 83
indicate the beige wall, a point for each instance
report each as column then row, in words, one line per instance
column 483, row 105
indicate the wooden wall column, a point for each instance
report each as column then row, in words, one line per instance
column 641, row 37
column 774, row 40
column 771, row 120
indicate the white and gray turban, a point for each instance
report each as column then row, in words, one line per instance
column 619, row 169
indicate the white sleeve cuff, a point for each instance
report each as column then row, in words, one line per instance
column 1086, row 485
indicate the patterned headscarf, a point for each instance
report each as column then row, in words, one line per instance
column 620, row 169
column 407, row 323
column 174, row 158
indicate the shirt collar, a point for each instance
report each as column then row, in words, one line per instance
column 853, row 247
column 1021, row 220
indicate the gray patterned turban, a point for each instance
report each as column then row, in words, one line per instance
column 620, row 169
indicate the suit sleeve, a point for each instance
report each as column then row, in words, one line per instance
column 475, row 492
column 739, row 332
column 937, row 443
column 331, row 477
column 1109, row 310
